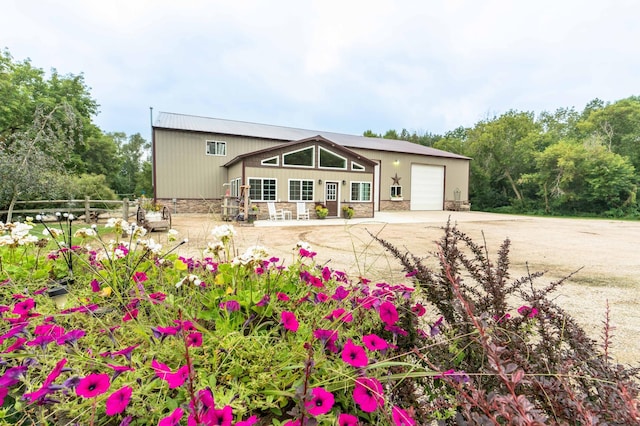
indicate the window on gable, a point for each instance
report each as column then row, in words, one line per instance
column 301, row 158
column 273, row 161
column 332, row 160
column 216, row 148
column 262, row 189
column 360, row 191
column 300, row 190
column 356, row 166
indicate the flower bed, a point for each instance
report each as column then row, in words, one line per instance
column 147, row 336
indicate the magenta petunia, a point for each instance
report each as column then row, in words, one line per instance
column 157, row 297
column 93, row 385
column 173, row 379
column 326, row 273
column 172, row 419
column 194, row 339
column 223, row 417
column 374, row 342
column 289, row 321
column 95, row 285
column 527, row 311
column 401, row 417
column 328, row 337
column 321, row 402
column 118, row 401
column 282, row 297
column 3, row 393
column 140, row 277
column 354, row 355
column 17, row 344
column 24, row 307
column 418, row 309
column 130, row 315
column 388, row 313
column 368, row 394
column 230, row 306
column 345, row 419
column 249, row 422
column 126, row 352
column 71, row 337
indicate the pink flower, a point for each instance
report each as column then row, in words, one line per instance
column 368, row 394
column 282, row 297
column 173, row 379
column 71, row 337
column 95, row 286
column 527, row 311
column 328, row 337
column 126, row 352
column 289, row 321
column 249, row 422
column 44, row 389
column 401, row 417
column 418, row 309
column 93, row 385
column 157, row 297
column 172, row 419
column 321, row 402
column 118, row 401
column 341, row 315
column 347, row 420
column 24, row 307
column 130, row 315
column 18, row 344
column 388, row 313
column 3, row 393
column 354, row 355
column 326, row 273
column 222, row 417
column 194, row 339
column 140, row 277
column 374, row 343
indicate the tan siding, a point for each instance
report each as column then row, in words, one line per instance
column 184, row 170
column 456, row 172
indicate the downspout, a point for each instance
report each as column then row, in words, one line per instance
column 153, row 157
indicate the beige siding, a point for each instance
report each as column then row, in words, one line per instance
column 184, row 170
column 456, row 172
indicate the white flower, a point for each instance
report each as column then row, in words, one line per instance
column 213, row 249
column 303, row 245
column 120, row 225
column 151, row 245
column 53, row 232
column 137, row 231
column 172, row 234
column 223, row 232
column 254, row 254
column 85, row 233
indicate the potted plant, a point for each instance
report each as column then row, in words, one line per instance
column 321, row 211
column 348, row 212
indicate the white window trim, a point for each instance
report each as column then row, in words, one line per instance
column 235, row 187
column 206, row 148
column 346, row 161
column 395, row 197
column 313, row 189
column 360, row 183
column 277, row 163
column 313, row 158
column 357, row 167
column 261, row 179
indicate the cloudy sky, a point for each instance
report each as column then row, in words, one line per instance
column 343, row 66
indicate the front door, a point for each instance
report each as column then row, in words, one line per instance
column 331, row 198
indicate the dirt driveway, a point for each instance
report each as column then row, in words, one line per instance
column 606, row 250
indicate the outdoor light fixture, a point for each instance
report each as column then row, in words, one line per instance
column 344, row 182
column 319, row 181
column 396, row 163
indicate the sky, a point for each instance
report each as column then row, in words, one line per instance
column 343, row 66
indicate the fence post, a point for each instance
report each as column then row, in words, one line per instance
column 87, row 210
column 125, row 209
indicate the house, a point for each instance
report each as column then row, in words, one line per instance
column 200, row 161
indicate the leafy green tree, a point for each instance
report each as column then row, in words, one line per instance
column 131, row 153
column 32, row 160
column 575, row 177
column 92, row 186
column 618, row 126
column 502, row 150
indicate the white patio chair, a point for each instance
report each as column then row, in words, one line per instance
column 275, row 214
column 302, row 212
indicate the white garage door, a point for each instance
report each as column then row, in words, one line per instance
column 427, row 187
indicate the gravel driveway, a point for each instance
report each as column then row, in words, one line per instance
column 606, row 250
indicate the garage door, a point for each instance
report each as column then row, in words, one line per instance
column 427, row 187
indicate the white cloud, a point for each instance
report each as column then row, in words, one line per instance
column 340, row 66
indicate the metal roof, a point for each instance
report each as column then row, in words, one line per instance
column 167, row 120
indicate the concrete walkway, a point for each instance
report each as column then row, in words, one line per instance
column 399, row 217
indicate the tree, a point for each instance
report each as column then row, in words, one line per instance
column 583, row 177
column 131, row 157
column 503, row 149
column 32, row 160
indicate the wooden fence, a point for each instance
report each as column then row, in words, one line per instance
column 87, row 209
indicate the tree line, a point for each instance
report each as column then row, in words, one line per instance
column 566, row 162
column 50, row 148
